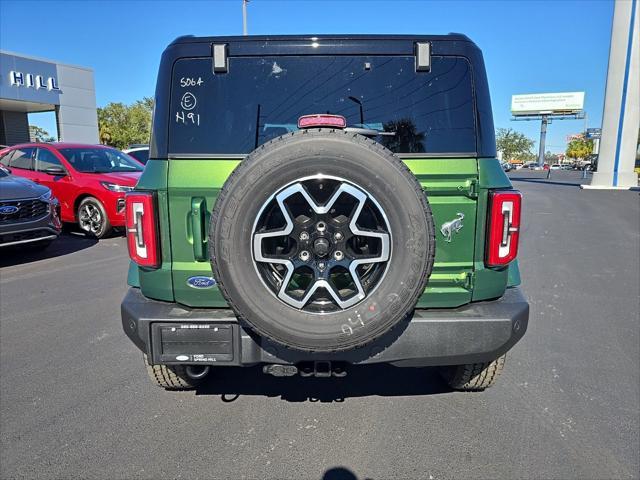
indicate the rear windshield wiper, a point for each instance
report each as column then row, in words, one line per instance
column 369, row 132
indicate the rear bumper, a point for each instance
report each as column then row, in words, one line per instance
column 476, row 332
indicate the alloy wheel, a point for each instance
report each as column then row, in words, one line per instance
column 321, row 244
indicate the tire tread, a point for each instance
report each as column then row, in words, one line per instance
column 169, row 377
column 473, row 377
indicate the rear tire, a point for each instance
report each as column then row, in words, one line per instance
column 171, row 377
column 473, row 377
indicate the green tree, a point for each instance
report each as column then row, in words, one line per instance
column 513, row 145
column 406, row 138
column 121, row 125
column 579, row 147
column 39, row 134
column 551, row 158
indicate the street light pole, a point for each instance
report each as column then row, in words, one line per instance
column 244, row 16
column 543, row 136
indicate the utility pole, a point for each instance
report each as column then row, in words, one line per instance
column 244, row 16
column 586, row 122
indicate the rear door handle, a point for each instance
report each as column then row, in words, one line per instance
column 199, row 227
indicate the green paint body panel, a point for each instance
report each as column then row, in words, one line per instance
column 189, row 182
column 187, row 191
column 514, row 275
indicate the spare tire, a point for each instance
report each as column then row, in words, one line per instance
column 322, row 240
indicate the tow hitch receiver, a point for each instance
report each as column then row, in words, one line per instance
column 319, row 369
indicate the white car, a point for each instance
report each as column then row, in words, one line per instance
column 140, row 153
column 532, row 166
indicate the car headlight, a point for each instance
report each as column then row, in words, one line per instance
column 114, row 187
column 46, row 196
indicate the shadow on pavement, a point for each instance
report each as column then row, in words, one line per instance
column 339, row 473
column 558, row 178
column 361, row 381
column 545, row 181
column 65, row 244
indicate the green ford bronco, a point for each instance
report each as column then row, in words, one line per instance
column 312, row 203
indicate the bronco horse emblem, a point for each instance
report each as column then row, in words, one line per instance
column 448, row 228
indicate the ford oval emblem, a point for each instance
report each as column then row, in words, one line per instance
column 8, row 210
column 201, row 282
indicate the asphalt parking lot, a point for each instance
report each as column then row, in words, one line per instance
column 75, row 400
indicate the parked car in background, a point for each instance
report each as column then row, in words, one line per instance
column 29, row 213
column 506, row 166
column 556, row 166
column 89, row 180
column 532, row 166
column 139, row 152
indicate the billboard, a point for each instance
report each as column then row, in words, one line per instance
column 547, row 103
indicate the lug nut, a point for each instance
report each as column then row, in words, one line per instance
column 321, row 226
column 338, row 236
column 321, row 266
column 338, row 255
column 304, row 255
column 304, row 236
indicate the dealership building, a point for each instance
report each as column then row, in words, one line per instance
column 29, row 85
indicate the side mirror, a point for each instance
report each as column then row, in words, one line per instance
column 55, row 171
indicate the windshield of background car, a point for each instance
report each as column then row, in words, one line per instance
column 259, row 99
column 100, row 160
column 141, row 155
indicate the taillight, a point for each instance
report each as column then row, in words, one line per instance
column 322, row 120
column 504, row 227
column 142, row 237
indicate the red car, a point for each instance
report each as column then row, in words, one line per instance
column 89, row 180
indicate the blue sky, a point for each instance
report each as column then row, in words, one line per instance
column 529, row 46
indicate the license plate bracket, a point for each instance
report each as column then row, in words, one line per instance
column 189, row 343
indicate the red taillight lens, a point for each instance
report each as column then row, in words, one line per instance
column 142, row 236
column 504, row 227
column 322, row 120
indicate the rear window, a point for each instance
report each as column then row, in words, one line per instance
column 4, row 158
column 22, row 158
column 259, row 99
